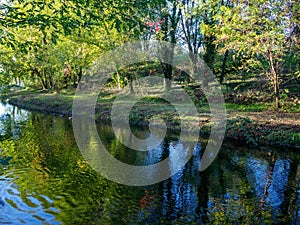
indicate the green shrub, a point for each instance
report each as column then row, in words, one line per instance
column 242, row 129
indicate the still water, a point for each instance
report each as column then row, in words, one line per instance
column 45, row 180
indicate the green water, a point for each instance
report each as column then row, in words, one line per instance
column 45, row 180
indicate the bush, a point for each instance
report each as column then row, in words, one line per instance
column 242, row 129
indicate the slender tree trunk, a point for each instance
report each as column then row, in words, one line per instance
column 275, row 78
column 74, row 80
column 45, row 79
column 224, row 66
column 167, row 70
column 118, row 80
column 276, row 89
column 210, row 52
column 79, row 76
column 44, row 85
column 51, row 83
column 169, row 34
column 269, row 179
column 44, row 75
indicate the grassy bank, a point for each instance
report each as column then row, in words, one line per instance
column 250, row 125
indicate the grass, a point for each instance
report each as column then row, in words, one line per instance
column 291, row 108
column 61, row 103
column 254, row 107
column 40, row 100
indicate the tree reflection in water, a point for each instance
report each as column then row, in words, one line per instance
column 44, row 179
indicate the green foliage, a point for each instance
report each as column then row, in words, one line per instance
column 242, row 129
column 257, row 34
column 291, row 106
column 282, row 138
column 197, row 95
column 51, row 44
column 40, row 40
column 296, row 138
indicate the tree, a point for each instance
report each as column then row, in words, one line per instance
column 170, row 16
column 163, row 19
column 256, row 31
column 196, row 16
column 67, row 36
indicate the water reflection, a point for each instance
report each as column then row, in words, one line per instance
column 45, row 180
column 17, row 208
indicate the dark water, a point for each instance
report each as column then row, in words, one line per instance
column 45, row 180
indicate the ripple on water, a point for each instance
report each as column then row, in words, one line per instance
column 15, row 208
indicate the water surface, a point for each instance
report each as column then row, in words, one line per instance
column 45, row 180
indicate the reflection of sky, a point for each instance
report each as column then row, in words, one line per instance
column 19, row 114
column 258, row 172
column 179, row 197
column 2, row 110
column 9, row 113
column 183, row 193
column 20, row 210
column 155, row 155
column 177, row 156
column 182, row 199
column 278, row 183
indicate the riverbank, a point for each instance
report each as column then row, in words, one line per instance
column 264, row 128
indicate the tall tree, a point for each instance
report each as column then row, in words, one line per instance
column 256, row 30
column 163, row 20
column 170, row 17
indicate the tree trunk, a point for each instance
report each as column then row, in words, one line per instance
column 131, row 86
column 51, row 83
column 169, row 35
column 79, row 76
column 118, row 80
column 167, row 70
column 224, row 66
column 210, row 52
column 269, row 179
column 45, row 79
column 276, row 91
column 43, row 83
column 275, row 78
column 75, row 80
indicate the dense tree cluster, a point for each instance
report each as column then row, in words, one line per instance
column 48, row 44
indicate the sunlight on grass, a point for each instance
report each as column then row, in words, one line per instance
column 256, row 107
